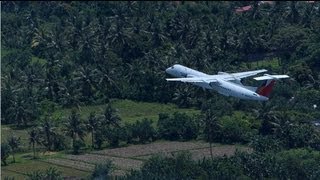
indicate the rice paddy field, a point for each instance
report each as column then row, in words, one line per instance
column 124, row 159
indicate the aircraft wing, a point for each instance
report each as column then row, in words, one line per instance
column 193, row 79
column 267, row 76
column 247, row 74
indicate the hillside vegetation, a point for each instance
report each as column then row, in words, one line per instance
column 81, row 76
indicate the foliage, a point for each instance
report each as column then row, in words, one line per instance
column 102, row 171
column 236, row 128
column 34, row 138
column 295, row 164
column 75, row 128
column 58, row 55
column 143, row 130
column 179, row 126
column 180, row 166
column 14, row 143
column 76, row 54
column 5, row 152
column 50, row 173
column 265, row 143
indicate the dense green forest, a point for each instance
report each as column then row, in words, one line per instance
column 57, row 55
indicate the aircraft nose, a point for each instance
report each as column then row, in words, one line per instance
column 168, row 70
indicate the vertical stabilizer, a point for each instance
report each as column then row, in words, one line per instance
column 266, row 88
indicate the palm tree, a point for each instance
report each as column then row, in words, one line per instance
column 268, row 116
column 14, row 144
column 17, row 112
column 8, row 93
column 48, row 130
column 110, row 117
column 74, row 128
column 92, row 125
column 211, row 127
column 34, row 138
column 294, row 13
column 87, row 77
column 182, row 97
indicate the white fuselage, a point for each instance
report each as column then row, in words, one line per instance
column 226, row 88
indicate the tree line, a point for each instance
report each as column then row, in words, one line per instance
column 267, row 131
column 294, row 164
column 73, row 54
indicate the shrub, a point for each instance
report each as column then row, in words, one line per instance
column 143, row 130
column 236, row 128
column 5, row 152
column 180, row 126
column 102, row 171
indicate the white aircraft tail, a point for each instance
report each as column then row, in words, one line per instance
column 266, row 88
column 269, row 81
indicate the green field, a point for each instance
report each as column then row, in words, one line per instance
column 129, row 111
column 266, row 63
column 20, row 170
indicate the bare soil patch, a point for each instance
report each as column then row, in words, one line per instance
column 197, row 154
column 121, row 163
column 70, row 163
column 153, row 148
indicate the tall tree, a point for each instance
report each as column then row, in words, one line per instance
column 74, row 128
column 110, row 117
column 14, row 144
column 211, row 128
column 34, row 138
column 48, row 131
column 93, row 123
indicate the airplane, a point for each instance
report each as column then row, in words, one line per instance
column 228, row 84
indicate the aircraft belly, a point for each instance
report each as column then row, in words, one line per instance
column 202, row 84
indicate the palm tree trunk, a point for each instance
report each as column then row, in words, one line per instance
column 92, row 139
column 49, row 141
column 73, row 145
column 34, row 151
column 14, row 159
column 211, row 150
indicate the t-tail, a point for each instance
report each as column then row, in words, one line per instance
column 269, row 81
column 266, row 88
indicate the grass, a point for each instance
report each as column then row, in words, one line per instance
column 129, row 111
column 25, row 164
column 7, row 131
column 19, row 170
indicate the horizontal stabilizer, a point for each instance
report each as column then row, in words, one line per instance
column 268, row 76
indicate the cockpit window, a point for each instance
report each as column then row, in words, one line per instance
column 254, row 94
column 172, row 67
